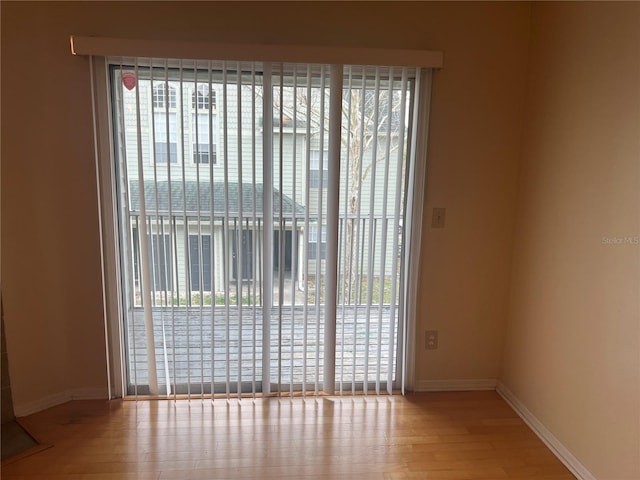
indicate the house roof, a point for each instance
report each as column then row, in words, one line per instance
column 189, row 195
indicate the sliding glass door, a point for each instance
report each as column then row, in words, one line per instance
column 262, row 221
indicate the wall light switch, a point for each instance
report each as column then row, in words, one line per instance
column 437, row 219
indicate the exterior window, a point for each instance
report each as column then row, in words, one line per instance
column 160, row 96
column 203, row 97
column 201, row 153
column 200, row 139
column 313, row 242
column 163, row 155
column 166, row 146
column 314, row 169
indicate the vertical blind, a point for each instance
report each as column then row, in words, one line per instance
column 262, row 211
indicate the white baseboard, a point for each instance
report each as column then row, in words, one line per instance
column 455, row 385
column 29, row 408
column 558, row 449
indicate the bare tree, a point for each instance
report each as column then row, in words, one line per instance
column 370, row 118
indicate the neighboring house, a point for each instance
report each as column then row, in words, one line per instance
column 191, row 206
column 181, row 141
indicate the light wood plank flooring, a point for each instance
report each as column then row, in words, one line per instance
column 449, row 436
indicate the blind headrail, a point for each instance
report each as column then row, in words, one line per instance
column 104, row 46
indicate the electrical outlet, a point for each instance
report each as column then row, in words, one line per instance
column 431, row 339
column 437, row 219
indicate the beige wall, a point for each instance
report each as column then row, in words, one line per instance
column 50, row 249
column 573, row 346
column 477, row 105
column 50, row 254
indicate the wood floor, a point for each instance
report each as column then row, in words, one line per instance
column 452, row 436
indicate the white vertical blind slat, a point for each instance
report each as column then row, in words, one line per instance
column 225, row 227
column 281, row 232
column 319, row 227
column 294, row 230
column 359, row 253
column 255, row 232
column 396, row 224
column 212, row 242
column 333, row 205
column 129, row 270
column 267, row 176
column 160, row 249
column 306, row 232
column 144, row 258
column 347, row 249
column 383, row 236
column 170, row 272
column 239, row 231
column 372, row 245
column 199, row 239
column 187, row 280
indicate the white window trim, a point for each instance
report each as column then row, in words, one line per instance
column 413, row 229
column 107, row 210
